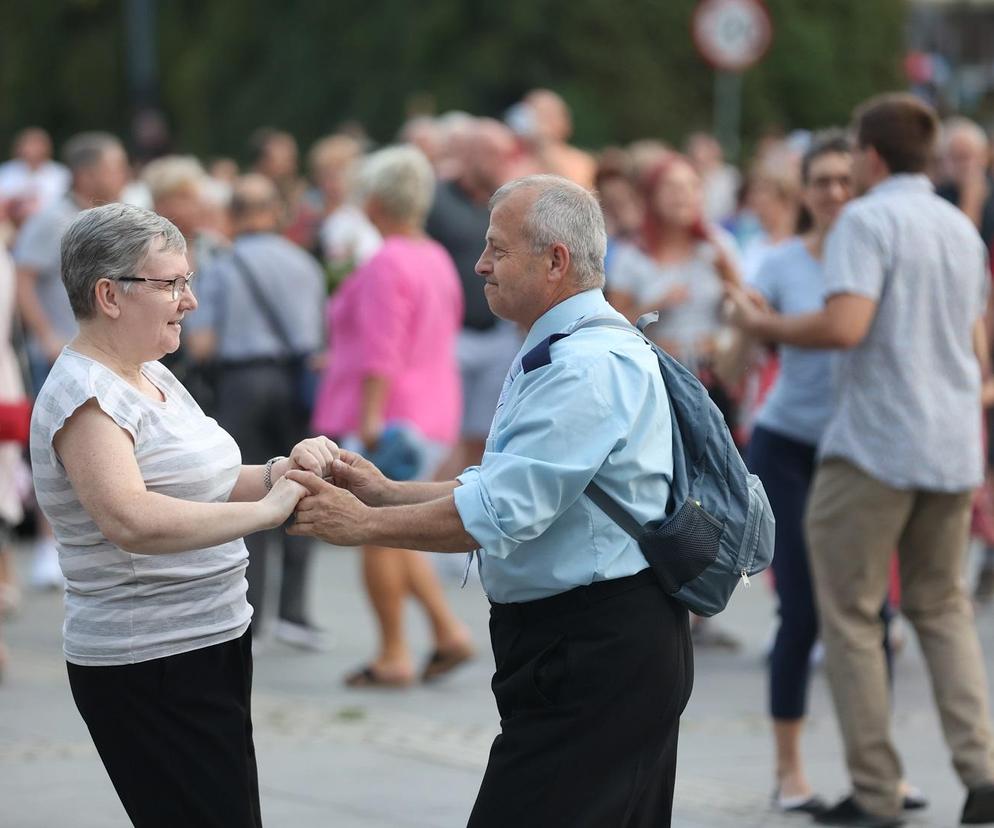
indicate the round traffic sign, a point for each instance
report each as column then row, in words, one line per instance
column 732, row 35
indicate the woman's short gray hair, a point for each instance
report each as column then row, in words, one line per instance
column 401, row 180
column 109, row 242
column 564, row 213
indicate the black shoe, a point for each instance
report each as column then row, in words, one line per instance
column 979, row 807
column 850, row 812
column 812, row 805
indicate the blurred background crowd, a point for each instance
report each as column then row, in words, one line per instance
column 335, row 268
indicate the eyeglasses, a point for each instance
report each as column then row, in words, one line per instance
column 178, row 285
column 824, row 182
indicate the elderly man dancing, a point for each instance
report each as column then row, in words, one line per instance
column 594, row 663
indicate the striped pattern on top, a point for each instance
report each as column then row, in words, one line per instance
column 123, row 607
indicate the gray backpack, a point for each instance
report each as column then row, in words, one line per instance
column 717, row 528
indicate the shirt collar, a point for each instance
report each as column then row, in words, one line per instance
column 561, row 316
column 917, row 182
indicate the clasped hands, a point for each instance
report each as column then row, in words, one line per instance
column 745, row 308
column 333, row 491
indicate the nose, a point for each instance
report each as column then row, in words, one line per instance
column 188, row 298
column 483, row 266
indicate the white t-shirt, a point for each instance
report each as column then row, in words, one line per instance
column 347, row 236
column 43, row 185
column 123, row 607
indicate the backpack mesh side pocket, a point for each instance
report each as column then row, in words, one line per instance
column 683, row 547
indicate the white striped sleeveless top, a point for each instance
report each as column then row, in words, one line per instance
column 123, row 607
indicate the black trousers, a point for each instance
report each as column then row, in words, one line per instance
column 590, row 685
column 175, row 735
column 257, row 406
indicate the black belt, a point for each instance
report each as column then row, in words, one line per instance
column 574, row 600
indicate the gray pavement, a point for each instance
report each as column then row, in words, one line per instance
column 413, row 759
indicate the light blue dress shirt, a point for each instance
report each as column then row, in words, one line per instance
column 598, row 410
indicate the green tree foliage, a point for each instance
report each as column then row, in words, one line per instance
column 629, row 69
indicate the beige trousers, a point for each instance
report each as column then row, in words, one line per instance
column 853, row 525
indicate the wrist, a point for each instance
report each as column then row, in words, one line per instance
column 280, row 468
column 389, row 493
column 273, row 470
column 366, row 525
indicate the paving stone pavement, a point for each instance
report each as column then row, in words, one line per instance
column 413, row 759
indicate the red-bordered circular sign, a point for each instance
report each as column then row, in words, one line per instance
column 732, row 35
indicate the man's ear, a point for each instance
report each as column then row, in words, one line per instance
column 877, row 161
column 559, row 262
column 106, row 297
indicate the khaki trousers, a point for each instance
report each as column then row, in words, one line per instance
column 853, row 525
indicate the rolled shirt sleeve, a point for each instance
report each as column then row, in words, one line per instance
column 548, row 446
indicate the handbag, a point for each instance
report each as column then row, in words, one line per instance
column 305, row 379
column 15, row 421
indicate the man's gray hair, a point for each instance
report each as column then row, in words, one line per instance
column 401, row 180
column 110, row 242
column 564, row 213
column 87, row 149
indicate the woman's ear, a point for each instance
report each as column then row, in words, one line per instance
column 106, row 296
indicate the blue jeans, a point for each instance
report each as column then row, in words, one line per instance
column 786, row 467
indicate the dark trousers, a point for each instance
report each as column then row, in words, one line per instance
column 175, row 735
column 257, row 406
column 787, row 467
column 590, row 685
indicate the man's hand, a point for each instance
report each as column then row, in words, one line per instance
column 356, row 474
column 746, row 309
column 316, row 454
column 329, row 512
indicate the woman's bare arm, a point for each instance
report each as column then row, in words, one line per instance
column 99, row 459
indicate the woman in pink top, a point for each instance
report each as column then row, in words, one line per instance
column 393, row 326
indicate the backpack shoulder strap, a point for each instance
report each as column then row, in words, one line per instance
column 541, row 355
column 610, row 507
column 262, row 303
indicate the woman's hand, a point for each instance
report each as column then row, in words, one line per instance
column 356, row 474
column 316, row 454
column 281, row 500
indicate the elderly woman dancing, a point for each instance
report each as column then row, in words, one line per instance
column 149, row 501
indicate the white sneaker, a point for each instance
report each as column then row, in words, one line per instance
column 303, row 636
column 45, row 570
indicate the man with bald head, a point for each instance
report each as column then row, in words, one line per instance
column 594, row 664
column 260, row 316
column 458, row 220
column 964, row 173
column 550, row 128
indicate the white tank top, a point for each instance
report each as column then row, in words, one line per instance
column 123, row 607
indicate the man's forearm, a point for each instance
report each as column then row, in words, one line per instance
column 434, row 526
column 409, row 493
column 808, row 330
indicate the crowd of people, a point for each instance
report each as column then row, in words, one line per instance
column 349, row 307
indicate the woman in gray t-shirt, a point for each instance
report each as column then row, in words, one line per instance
column 149, row 501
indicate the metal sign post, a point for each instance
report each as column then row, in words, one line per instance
column 731, row 35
